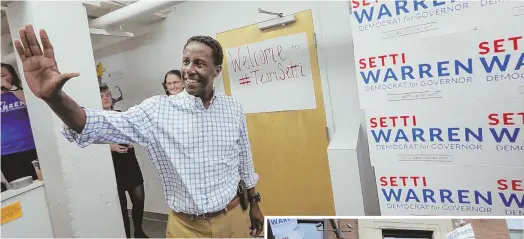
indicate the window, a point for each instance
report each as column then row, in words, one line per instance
column 516, row 228
column 406, row 234
column 516, row 234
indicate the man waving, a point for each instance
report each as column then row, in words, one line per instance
column 196, row 140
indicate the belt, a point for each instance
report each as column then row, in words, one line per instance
column 231, row 205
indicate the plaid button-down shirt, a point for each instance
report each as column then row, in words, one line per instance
column 200, row 154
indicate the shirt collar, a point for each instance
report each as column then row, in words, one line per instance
column 197, row 99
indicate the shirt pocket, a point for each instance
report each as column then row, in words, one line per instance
column 225, row 135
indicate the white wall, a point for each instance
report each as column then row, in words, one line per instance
column 149, row 56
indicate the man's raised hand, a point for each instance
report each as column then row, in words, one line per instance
column 40, row 68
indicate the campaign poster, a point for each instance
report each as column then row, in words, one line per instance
column 111, row 72
column 464, row 232
column 418, row 190
column 458, row 133
column 475, row 65
column 374, row 22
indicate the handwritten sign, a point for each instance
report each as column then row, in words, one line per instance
column 464, row 232
column 272, row 75
column 11, row 212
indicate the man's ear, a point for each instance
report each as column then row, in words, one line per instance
column 218, row 70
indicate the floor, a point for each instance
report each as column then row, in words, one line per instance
column 152, row 228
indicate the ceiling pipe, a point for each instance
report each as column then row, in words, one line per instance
column 130, row 11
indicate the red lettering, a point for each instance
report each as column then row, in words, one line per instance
column 393, row 181
column 513, row 185
column 394, row 57
column 405, row 118
column 373, row 122
column 382, row 59
column 355, row 4
column 515, row 43
column 498, row 45
column 362, row 63
column 507, row 118
column 415, row 180
column 383, row 122
column 493, row 119
column 383, row 181
column 484, row 49
column 279, row 53
column 404, row 183
column 394, row 120
column 502, row 184
column 516, row 185
column 302, row 70
column 372, row 62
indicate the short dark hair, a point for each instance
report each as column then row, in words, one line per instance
column 103, row 87
column 16, row 79
column 218, row 54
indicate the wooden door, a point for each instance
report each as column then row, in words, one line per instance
column 289, row 147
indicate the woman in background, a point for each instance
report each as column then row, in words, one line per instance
column 18, row 145
column 173, row 83
column 128, row 176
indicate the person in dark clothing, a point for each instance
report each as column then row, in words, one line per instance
column 128, row 176
column 18, row 145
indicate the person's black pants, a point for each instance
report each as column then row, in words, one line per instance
column 137, row 196
column 18, row 165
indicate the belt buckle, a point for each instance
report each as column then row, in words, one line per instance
column 204, row 216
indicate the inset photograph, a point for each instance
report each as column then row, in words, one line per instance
column 394, row 228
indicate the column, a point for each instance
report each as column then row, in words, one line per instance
column 79, row 183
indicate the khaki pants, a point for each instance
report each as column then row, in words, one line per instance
column 233, row 224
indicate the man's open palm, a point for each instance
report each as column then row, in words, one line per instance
column 40, row 69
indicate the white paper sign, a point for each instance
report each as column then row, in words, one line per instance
column 114, row 66
column 296, row 234
column 460, row 133
column 482, row 65
column 464, row 232
column 419, row 190
column 272, row 75
column 281, row 226
column 114, row 77
column 376, row 22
